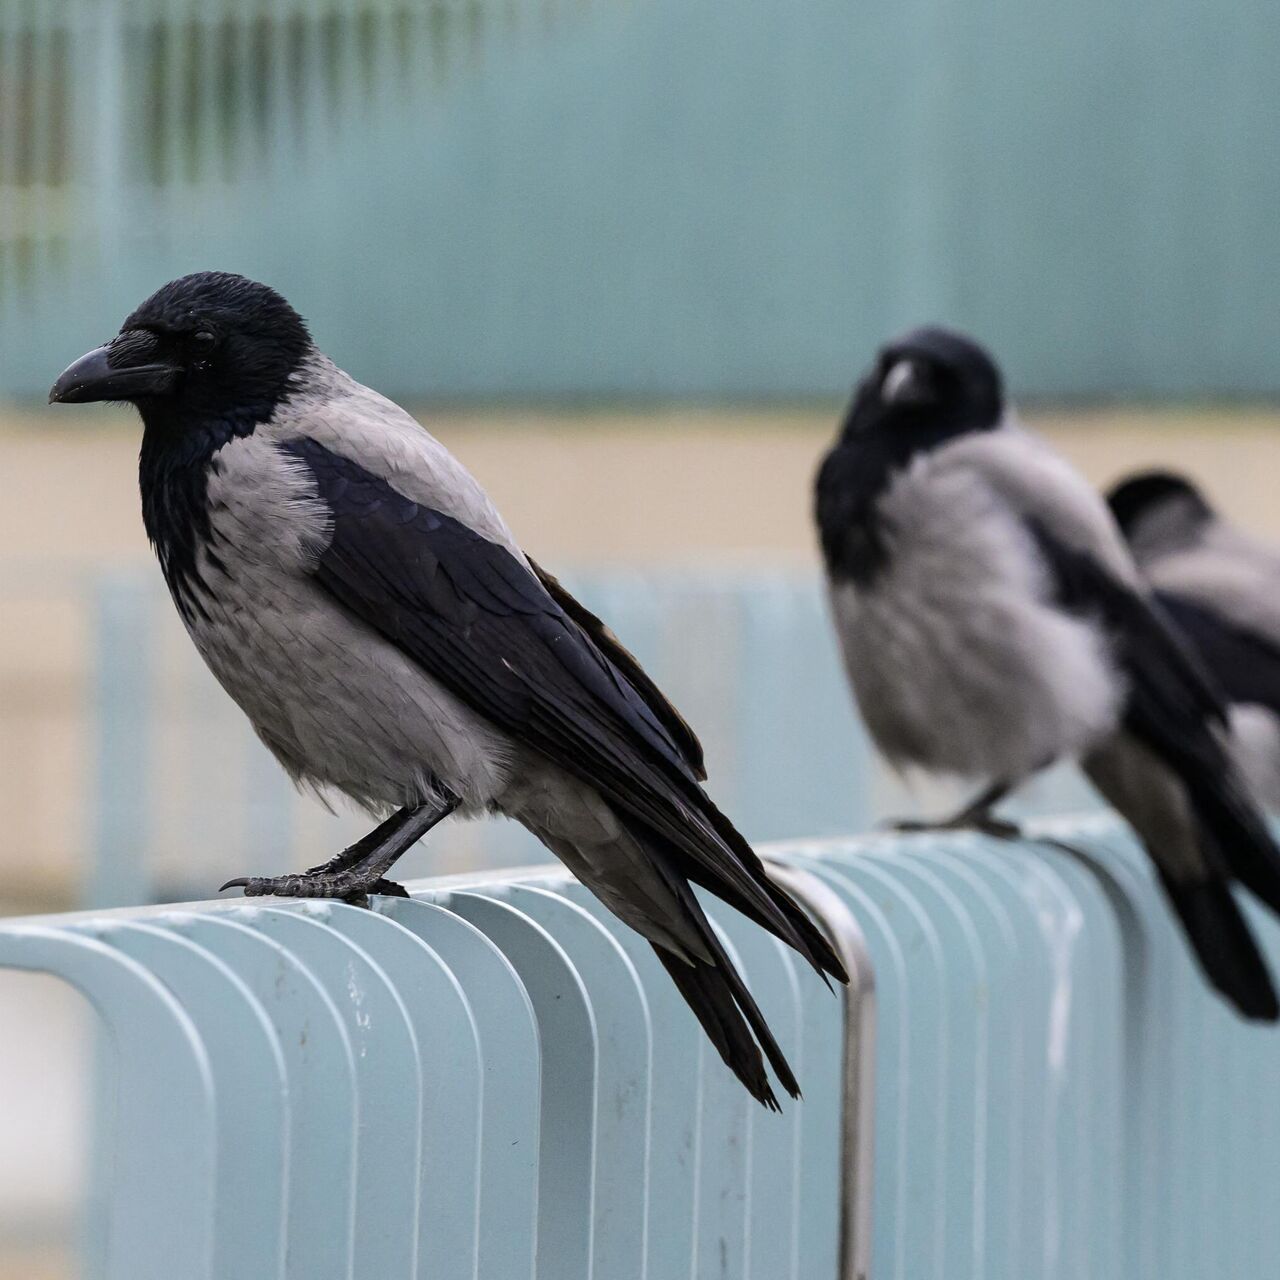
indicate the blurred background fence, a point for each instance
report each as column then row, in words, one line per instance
column 548, row 198
column 176, row 794
column 187, row 796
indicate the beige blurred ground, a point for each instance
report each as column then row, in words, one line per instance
column 668, row 484
column 671, row 487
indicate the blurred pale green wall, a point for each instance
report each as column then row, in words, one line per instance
column 657, row 197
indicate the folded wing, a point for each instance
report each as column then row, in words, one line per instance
column 477, row 618
column 1177, row 714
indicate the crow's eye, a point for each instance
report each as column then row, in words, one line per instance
column 203, row 340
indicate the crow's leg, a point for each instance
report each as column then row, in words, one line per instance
column 975, row 816
column 356, row 853
column 358, row 870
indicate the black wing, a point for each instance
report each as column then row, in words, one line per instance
column 1174, row 707
column 1173, row 699
column 477, row 619
column 602, row 637
column 1245, row 664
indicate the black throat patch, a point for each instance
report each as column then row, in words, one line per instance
column 853, row 478
column 950, row 387
column 173, row 473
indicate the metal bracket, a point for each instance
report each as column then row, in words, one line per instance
column 858, row 1104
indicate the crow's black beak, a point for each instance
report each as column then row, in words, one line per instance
column 125, row 369
column 908, row 384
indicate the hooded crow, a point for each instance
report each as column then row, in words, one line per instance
column 354, row 590
column 1222, row 588
column 992, row 623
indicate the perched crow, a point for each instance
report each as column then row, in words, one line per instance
column 355, row 591
column 992, row 622
column 1222, row 588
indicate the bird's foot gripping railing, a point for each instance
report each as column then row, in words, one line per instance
column 495, row 1079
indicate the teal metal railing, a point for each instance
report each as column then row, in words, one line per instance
column 494, row 1079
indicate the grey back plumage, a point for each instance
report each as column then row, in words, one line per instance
column 1221, row 586
column 354, row 421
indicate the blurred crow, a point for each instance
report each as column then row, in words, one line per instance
column 355, row 591
column 1222, row 588
column 992, row 623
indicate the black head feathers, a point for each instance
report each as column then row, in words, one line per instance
column 931, row 382
column 1142, row 493
column 224, row 301
column 206, row 359
column 207, row 350
column 925, row 388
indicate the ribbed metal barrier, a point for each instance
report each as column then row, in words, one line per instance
column 494, row 1079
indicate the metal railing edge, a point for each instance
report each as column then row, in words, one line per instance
column 857, row 1116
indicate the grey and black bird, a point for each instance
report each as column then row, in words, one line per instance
column 993, row 622
column 1222, row 588
column 355, row 591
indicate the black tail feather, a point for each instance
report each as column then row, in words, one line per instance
column 730, row 982
column 707, row 993
column 718, row 995
column 1239, row 836
column 716, row 992
column 800, row 933
column 1225, row 946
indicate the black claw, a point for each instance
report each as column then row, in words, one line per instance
column 359, row 896
column 344, row 886
column 280, row 886
column 997, row 828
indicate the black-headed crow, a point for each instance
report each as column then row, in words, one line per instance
column 993, row 622
column 1222, row 588
column 353, row 588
